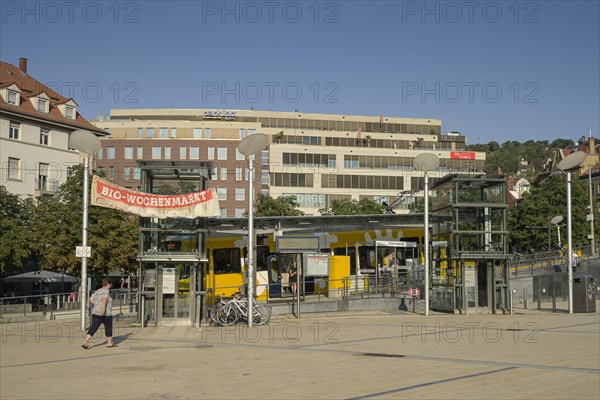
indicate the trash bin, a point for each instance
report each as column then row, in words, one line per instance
column 584, row 293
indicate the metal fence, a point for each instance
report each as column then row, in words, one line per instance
column 60, row 303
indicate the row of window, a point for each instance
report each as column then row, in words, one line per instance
column 14, row 132
column 328, row 125
column 362, row 182
column 41, row 103
column 218, row 173
column 14, row 172
column 164, row 153
column 372, row 162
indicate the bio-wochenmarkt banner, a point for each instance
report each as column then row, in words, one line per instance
column 189, row 205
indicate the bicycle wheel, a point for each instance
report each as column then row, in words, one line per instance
column 227, row 315
column 261, row 314
column 214, row 311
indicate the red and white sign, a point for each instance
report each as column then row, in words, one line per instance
column 189, row 205
column 462, row 155
column 414, row 292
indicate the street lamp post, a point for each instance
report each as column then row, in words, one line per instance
column 251, row 145
column 568, row 164
column 84, row 142
column 426, row 162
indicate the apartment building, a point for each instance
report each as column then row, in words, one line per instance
column 35, row 125
column 317, row 158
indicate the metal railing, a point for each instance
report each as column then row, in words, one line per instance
column 55, row 303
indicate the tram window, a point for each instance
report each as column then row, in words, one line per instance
column 227, row 261
column 262, row 254
column 366, row 255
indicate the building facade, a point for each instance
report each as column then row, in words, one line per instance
column 35, row 126
column 317, row 158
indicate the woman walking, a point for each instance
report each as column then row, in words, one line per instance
column 101, row 314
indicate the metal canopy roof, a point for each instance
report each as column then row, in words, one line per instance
column 313, row 224
column 176, row 170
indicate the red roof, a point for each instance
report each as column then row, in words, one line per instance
column 30, row 87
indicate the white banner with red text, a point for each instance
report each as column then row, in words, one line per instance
column 189, row 205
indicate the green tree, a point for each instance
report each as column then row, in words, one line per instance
column 530, row 217
column 353, row 207
column 16, row 215
column 267, row 206
column 112, row 234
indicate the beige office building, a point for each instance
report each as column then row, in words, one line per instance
column 317, row 158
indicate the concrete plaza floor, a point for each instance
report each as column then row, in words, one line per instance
column 359, row 355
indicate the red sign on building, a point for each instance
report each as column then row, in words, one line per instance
column 462, row 155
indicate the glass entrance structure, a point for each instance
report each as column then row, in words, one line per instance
column 172, row 252
column 470, row 244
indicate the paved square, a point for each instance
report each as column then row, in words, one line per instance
column 533, row 355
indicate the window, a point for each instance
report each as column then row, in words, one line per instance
column 211, row 153
column 100, row 153
column 251, row 132
column 223, row 173
column 136, row 172
column 14, row 168
column 156, row 153
column 14, row 130
column 222, row 153
column 110, row 153
column 140, row 133
column 238, row 173
column 42, row 180
column 197, row 133
column 227, row 261
column 12, row 97
column 239, row 194
column 126, row 172
column 128, row 152
column 182, row 153
column 42, row 105
column 44, row 134
column 167, row 152
column 222, row 193
column 173, row 132
column 207, row 132
column 223, row 212
column 242, row 133
column 215, row 174
column 140, row 152
column 238, row 155
column 239, row 212
column 163, row 133
column 194, row 152
column 70, row 112
column 150, row 133
column 111, row 173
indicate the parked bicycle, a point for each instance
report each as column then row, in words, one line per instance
column 228, row 311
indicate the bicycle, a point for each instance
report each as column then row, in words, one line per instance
column 228, row 311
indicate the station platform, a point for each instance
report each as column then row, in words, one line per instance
column 339, row 355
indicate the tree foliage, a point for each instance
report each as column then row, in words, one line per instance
column 267, row 206
column 508, row 156
column 57, row 230
column 354, row 207
column 16, row 215
column 529, row 220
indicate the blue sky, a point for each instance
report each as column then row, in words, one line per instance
column 495, row 70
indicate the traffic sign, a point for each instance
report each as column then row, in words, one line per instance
column 414, row 292
column 83, row 251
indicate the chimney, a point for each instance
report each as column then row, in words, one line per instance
column 23, row 65
column 592, row 145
